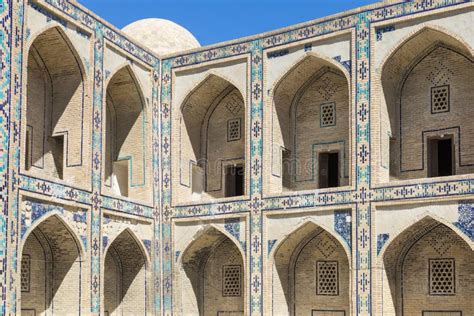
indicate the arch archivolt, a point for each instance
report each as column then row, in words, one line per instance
column 205, row 258
column 75, row 219
column 296, row 262
column 404, row 263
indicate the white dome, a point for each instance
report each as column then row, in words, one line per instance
column 161, row 36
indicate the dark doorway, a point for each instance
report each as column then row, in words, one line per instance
column 286, row 169
column 328, row 170
column 440, row 157
column 57, row 144
column 234, row 181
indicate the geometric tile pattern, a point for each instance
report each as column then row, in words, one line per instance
column 343, row 225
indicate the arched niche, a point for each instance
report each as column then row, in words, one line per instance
column 51, row 269
column 310, row 126
column 55, row 107
column 211, row 277
column 426, row 108
column 125, row 275
column 426, row 267
column 212, row 140
column 311, row 273
column 125, row 141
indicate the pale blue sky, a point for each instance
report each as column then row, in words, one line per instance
column 213, row 21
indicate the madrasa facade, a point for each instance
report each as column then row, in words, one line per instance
column 323, row 169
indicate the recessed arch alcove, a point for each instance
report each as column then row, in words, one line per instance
column 125, row 135
column 426, row 267
column 212, row 140
column 211, row 275
column 51, row 268
column 311, row 273
column 426, row 113
column 56, row 104
column 125, row 276
column 310, row 126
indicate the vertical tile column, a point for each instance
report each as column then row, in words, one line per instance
column 11, row 36
column 166, row 246
column 256, row 152
column 363, row 276
column 97, row 123
column 156, row 297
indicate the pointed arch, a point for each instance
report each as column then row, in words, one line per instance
column 126, row 263
column 301, row 226
column 406, row 261
column 414, row 47
column 53, row 255
column 65, row 222
column 135, row 238
column 202, row 275
column 56, row 104
column 313, row 89
column 125, row 134
column 127, row 67
column 70, row 44
column 212, row 135
column 298, row 258
column 422, row 221
column 310, row 57
column 425, row 75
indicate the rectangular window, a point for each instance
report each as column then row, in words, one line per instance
column 233, row 130
column 328, row 114
column 442, row 276
column 327, row 279
column 28, row 150
column 25, row 273
column 234, row 180
column 439, row 99
column 231, row 280
column 328, row 170
column 440, row 157
column 58, row 154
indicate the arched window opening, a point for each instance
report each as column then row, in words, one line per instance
column 310, row 128
column 212, row 141
column 212, row 278
column 55, row 107
column 125, row 134
column 425, row 118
